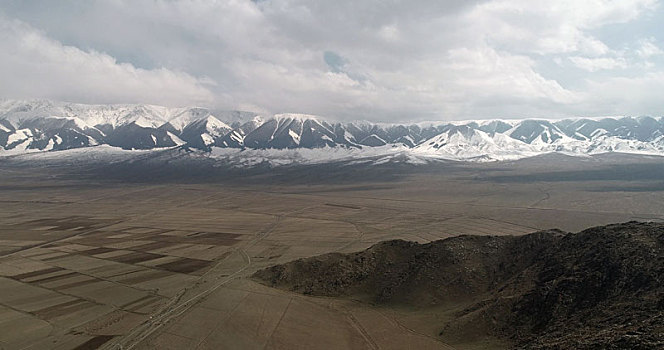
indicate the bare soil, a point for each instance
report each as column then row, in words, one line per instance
column 600, row 288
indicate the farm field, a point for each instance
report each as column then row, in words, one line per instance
column 96, row 263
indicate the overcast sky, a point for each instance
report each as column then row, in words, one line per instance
column 381, row 60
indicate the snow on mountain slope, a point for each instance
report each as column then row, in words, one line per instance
column 114, row 115
column 464, row 142
column 494, row 126
column 235, row 138
column 42, row 125
column 54, row 133
column 539, row 132
column 291, row 131
column 205, row 132
column 280, row 157
column 373, row 140
column 188, row 116
column 607, row 144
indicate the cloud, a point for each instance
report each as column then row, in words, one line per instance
column 648, row 48
column 390, row 61
column 640, row 95
column 545, row 27
column 35, row 66
column 595, row 64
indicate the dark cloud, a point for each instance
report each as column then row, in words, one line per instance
column 374, row 59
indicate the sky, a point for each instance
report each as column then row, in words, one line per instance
column 379, row 60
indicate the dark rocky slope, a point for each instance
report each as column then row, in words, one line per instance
column 602, row 288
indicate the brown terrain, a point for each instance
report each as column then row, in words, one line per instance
column 156, row 255
column 600, row 288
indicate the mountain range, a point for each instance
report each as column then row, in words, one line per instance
column 42, row 125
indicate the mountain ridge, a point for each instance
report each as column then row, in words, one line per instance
column 41, row 125
column 596, row 289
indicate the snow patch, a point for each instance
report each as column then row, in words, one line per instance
column 178, row 141
column 20, row 135
column 207, row 139
column 295, row 136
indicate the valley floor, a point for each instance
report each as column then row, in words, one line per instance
column 88, row 262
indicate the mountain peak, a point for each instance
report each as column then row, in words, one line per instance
column 47, row 125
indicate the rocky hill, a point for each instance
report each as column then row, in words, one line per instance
column 602, row 288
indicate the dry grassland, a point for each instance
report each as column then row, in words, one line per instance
column 165, row 266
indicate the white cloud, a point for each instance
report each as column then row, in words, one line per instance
column 389, row 33
column 547, row 27
column 401, row 59
column 639, row 95
column 33, row 65
column 596, row 64
column 648, row 48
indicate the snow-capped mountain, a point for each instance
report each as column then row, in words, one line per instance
column 204, row 133
column 235, row 138
column 41, row 125
column 291, row 131
column 466, row 142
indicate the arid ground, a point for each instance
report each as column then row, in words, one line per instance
column 92, row 260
